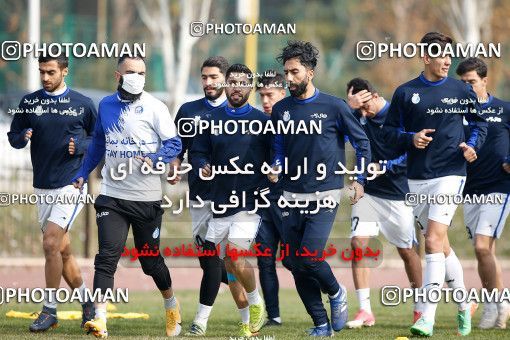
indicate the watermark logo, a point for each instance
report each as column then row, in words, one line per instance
column 395, row 295
column 367, row 50
column 199, row 29
column 15, row 50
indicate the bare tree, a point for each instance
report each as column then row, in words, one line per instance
column 469, row 20
column 176, row 47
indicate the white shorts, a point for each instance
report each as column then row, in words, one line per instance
column 61, row 214
column 239, row 229
column 487, row 219
column 200, row 218
column 442, row 213
column 393, row 218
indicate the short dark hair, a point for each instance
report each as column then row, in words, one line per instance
column 52, row 54
column 360, row 84
column 267, row 80
column 129, row 56
column 239, row 68
column 218, row 61
column 304, row 51
column 435, row 38
column 472, row 64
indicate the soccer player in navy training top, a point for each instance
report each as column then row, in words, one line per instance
column 232, row 226
column 382, row 207
column 59, row 123
column 132, row 127
column 425, row 118
column 488, row 176
column 213, row 72
column 271, row 89
column 311, row 231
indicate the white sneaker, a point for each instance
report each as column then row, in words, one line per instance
column 489, row 316
column 503, row 314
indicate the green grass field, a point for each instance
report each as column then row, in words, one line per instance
column 391, row 322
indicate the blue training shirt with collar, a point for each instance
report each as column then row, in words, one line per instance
column 54, row 120
column 486, row 174
column 217, row 149
column 196, row 110
column 326, row 148
column 421, row 104
column 392, row 184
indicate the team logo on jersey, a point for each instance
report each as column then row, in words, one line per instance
column 416, row 98
column 286, row 116
column 363, row 120
column 155, row 234
column 101, row 214
column 38, row 110
column 138, row 109
column 196, row 119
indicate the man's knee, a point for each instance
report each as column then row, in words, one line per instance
column 52, row 239
column 304, row 265
column 106, row 263
column 152, row 265
column 407, row 254
column 482, row 250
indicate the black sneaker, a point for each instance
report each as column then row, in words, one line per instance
column 47, row 319
column 87, row 313
column 272, row 322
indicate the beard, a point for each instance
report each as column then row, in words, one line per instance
column 239, row 103
column 300, row 88
column 215, row 95
column 125, row 95
column 54, row 87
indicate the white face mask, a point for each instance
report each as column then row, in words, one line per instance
column 133, row 83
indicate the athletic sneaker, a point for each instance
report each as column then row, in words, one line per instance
column 272, row 322
column 503, row 314
column 464, row 322
column 416, row 316
column 88, row 312
column 257, row 316
column 47, row 319
column 489, row 316
column 362, row 318
column 339, row 313
column 97, row 327
column 173, row 320
column 321, row 331
column 196, row 329
column 244, row 330
column 422, row 327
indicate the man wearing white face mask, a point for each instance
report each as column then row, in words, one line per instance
column 132, row 128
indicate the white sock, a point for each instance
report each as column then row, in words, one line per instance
column 245, row 314
column 502, row 306
column 101, row 311
column 324, row 324
column 50, row 300
column 253, row 297
column 202, row 315
column 418, row 306
column 454, row 276
column 434, row 278
column 82, row 290
column 278, row 319
column 334, row 296
column 363, row 295
column 492, row 306
column 170, row 302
